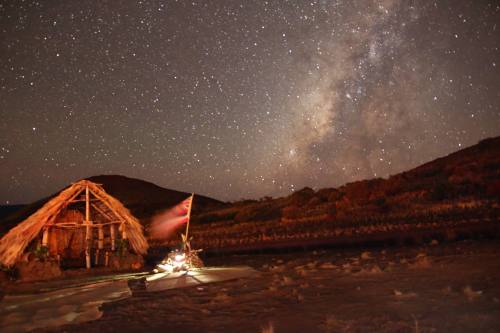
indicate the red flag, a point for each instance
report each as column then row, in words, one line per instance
column 164, row 224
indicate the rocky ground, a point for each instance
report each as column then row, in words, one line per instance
column 433, row 288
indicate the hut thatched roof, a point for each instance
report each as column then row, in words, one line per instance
column 13, row 244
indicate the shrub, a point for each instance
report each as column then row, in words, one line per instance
column 291, row 212
column 314, row 201
column 440, row 191
column 301, row 197
column 258, row 212
column 11, row 273
column 331, row 210
column 41, row 252
column 223, row 215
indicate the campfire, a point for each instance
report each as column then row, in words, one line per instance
column 178, row 260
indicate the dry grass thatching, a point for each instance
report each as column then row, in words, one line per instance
column 13, row 244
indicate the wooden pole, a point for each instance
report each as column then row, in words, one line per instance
column 101, row 237
column 189, row 219
column 87, row 229
column 112, row 233
column 101, row 211
column 124, row 232
column 100, row 243
column 45, row 237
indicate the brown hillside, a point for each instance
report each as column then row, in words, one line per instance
column 454, row 190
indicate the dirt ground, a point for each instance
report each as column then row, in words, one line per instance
column 434, row 288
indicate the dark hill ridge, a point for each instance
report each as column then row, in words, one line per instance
column 451, row 192
column 6, row 210
column 144, row 199
column 473, row 171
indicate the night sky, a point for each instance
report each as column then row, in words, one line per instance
column 240, row 99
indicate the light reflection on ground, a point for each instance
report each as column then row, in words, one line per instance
column 80, row 301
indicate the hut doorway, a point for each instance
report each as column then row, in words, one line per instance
column 68, row 244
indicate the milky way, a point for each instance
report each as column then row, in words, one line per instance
column 240, row 99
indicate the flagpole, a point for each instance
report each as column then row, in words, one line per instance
column 189, row 219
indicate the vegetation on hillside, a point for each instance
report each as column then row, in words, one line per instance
column 459, row 190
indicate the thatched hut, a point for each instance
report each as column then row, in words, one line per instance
column 83, row 226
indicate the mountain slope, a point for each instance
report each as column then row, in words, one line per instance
column 447, row 193
column 144, row 198
column 6, row 210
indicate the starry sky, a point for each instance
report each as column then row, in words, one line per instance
column 240, row 99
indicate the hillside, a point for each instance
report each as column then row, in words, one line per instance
column 6, row 210
column 456, row 190
column 445, row 194
column 144, row 199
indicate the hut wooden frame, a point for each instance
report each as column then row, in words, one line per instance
column 113, row 216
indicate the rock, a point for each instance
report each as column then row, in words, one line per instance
column 375, row 270
column 332, row 324
column 277, row 268
column 472, row 294
column 327, row 265
column 287, row 281
column 302, row 271
column 366, row 255
column 311, row 265
column 221, row 298
column 420, row 263
column 399, row 293
column 36, row 270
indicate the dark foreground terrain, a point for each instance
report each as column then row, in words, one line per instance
column 433, row 288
